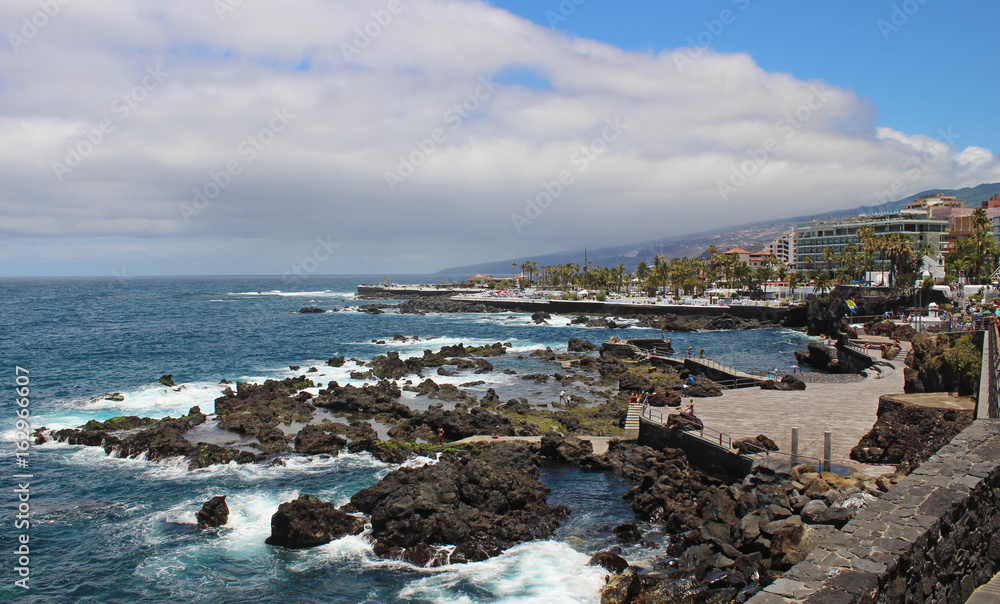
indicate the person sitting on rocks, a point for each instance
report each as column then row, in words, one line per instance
column 633, row 399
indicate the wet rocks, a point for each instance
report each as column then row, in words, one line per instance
column 316, row 439
column 381, row 398
column 257, row 409
column 540, row 317
column 309, row 310
column 336, row 361
column 581, row 345
column 481, row 504
column 215, row 512
column 459, row 423
column 167, row 380
column 309, row 521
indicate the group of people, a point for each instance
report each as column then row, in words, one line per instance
column 643, row 399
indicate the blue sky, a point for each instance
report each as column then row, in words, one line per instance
column 169, row 137
column 940, row 67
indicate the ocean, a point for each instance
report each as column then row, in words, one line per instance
column 104, row 529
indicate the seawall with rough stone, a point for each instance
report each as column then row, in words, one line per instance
column 933, row 537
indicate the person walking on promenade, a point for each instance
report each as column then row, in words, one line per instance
column 702, row 353
column 690, row 351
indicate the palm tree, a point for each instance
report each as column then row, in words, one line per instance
column 821, row 281
column 794, row 279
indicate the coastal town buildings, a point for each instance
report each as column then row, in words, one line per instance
column 783, row 248
column 812, row 238
column 960, row 220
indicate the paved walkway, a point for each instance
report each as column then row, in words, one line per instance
column 847, row 410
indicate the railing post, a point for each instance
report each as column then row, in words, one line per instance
column 827, row 450
column 795, row 446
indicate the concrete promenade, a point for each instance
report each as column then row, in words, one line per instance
column 847, row 410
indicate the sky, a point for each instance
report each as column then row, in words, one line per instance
column 316, row 137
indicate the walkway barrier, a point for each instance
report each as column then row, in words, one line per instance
column 725, row 441
column 991, row 365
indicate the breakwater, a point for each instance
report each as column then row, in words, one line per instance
column 764, row 314
column 933, row 537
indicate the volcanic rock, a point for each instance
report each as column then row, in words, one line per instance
column 481, row 504
column 308, row 522
column 215, row 512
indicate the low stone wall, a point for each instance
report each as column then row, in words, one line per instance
column 933, row 537
column 707, row 456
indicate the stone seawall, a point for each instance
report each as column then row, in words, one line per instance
column 707, row 456
column 765, row 314
column 933, row 537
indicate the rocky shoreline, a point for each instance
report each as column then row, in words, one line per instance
column 469, row 502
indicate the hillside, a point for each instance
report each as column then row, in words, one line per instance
column 750, row 236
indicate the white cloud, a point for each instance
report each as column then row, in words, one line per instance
column 688, row 130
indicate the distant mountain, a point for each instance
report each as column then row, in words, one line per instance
column 751, row 237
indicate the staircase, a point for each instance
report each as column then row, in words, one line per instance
column 632, row 421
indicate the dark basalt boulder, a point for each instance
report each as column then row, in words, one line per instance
column 167, row 380
column 540, row 317
column 633, row 382
column 788, row 382
column 817, row 356
column 309, row 521
column 627, row 533
column 314, row 440
column 308, row 310
column 581, row 345
column 758, row 444
column 609, row 560
column 703, row 387
column 664, row 399
column 336, row 362
column 481, row 504
column 565, row 449
column 685, row 420
column 215, row 512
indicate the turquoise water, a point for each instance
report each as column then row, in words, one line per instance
column 112, row 530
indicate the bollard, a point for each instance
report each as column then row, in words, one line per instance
column 827, row 450
column 795, row 446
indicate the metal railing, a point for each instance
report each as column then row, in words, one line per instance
column 723, row 440
column 993, row 366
